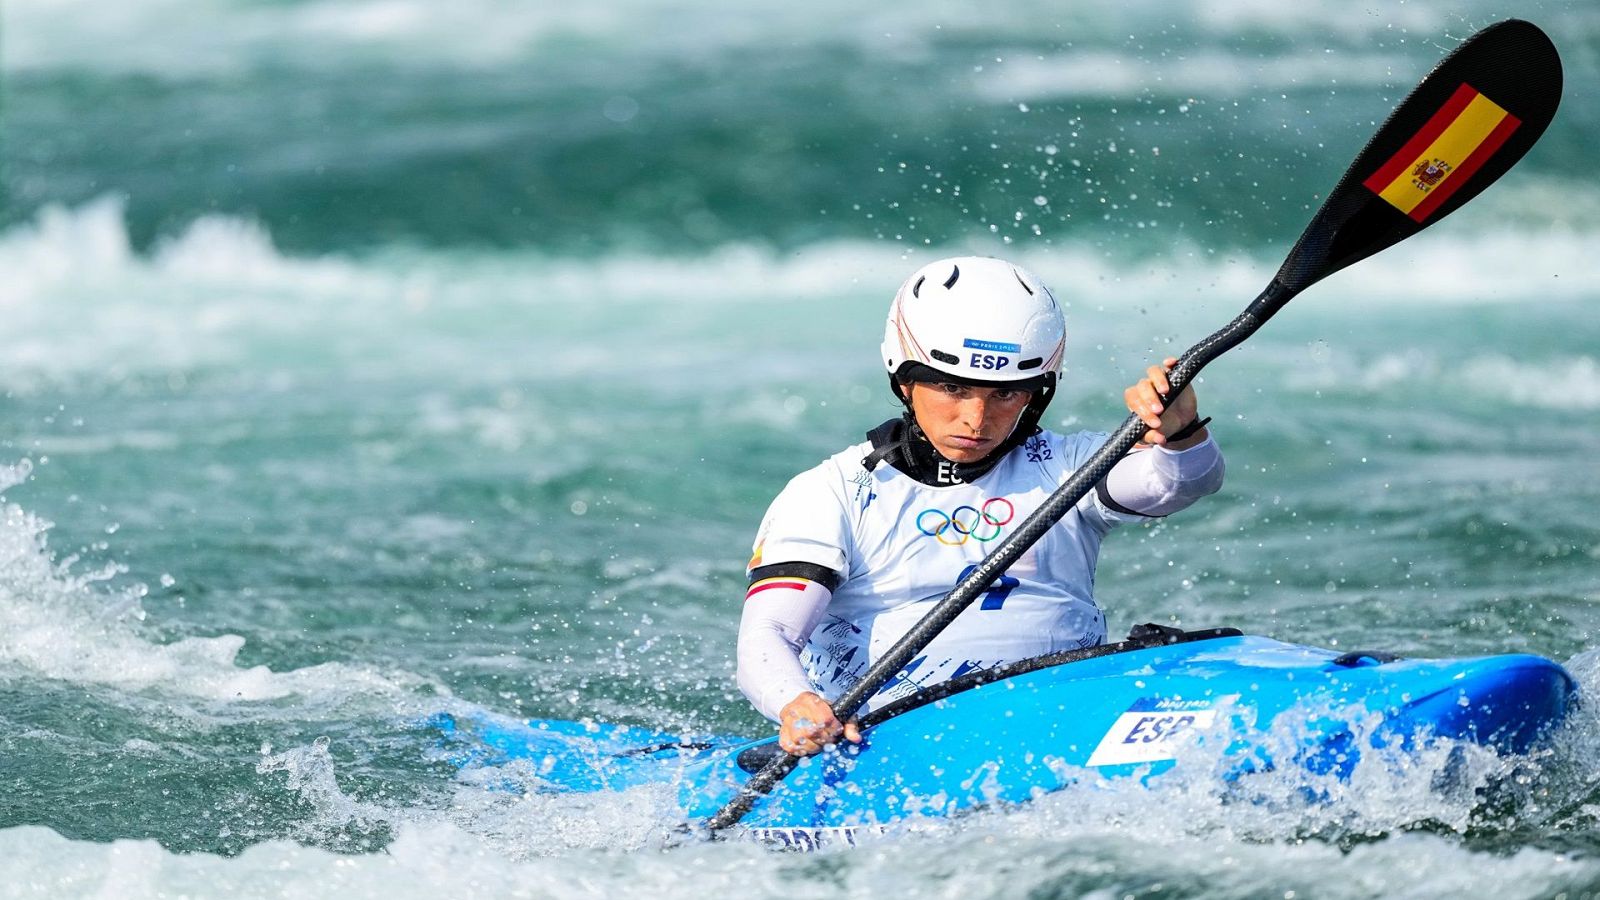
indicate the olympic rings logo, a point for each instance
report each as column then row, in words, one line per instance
column 966, row 522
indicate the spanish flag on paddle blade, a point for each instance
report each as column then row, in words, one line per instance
column 1441, row 157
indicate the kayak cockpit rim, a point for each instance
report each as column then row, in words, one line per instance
column 1140, row 637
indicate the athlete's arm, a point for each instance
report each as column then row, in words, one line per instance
column 779, row 615
column 1172, row 474
column 1160, row 482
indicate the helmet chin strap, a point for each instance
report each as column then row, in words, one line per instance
column 903, row 444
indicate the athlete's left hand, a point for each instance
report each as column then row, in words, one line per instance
column 1144, row 400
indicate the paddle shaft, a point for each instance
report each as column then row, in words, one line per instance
column 1512, row 63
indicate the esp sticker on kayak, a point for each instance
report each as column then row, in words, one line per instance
column 1152, row 729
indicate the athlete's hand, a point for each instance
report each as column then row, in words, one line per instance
column 808, row 724
column 1144, row 400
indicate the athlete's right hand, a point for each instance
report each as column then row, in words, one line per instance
column 808, row 724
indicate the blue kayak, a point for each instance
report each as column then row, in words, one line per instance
column 1164, row 698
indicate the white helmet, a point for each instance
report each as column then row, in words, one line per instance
column 975, row 320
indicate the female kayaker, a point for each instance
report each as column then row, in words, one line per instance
column 854, row 552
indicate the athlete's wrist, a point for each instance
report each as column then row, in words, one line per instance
column 1191, row 435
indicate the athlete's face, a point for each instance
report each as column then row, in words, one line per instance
column 966, row 423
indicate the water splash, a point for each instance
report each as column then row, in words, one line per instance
column 60, row 623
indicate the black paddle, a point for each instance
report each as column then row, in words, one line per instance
column 1464, row 125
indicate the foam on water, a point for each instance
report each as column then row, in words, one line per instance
column 81, row 301
column 82, row 306
column 1490, row 376
column 59, row 623
column 441, row 860
column 1211, row 74
column 1387, row 831
column 189, row 37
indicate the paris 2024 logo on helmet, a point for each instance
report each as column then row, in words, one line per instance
column 975, row 320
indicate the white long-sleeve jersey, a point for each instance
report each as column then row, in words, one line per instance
column 847, row 560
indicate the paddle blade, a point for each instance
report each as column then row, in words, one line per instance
column 1469, row 121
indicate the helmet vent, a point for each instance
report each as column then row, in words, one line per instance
column 946, row 358
column 1021, row 282
column 1031, row 363
column 955, row 272
column 918, row 286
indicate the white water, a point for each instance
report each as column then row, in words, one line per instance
column 81, row 306
column 181, row 38
column 1183, row 837
column 84, row 627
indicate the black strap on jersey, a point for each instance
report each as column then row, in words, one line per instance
column 822, row 575
column 1104, row 493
